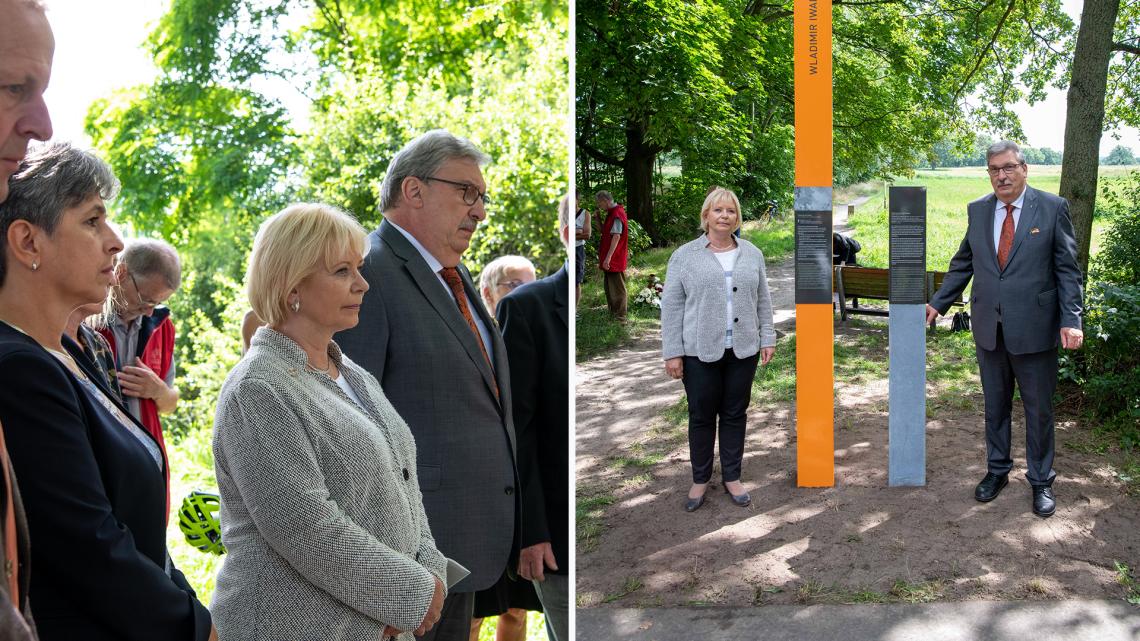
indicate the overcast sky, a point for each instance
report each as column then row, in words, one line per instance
column 98, row 50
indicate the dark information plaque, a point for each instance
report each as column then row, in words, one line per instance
column 908, row 245
column 813, row 257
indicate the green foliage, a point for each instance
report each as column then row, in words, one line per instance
column 1120, row 155
column 1119, row 257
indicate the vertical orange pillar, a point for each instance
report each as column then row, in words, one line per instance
column 815, row 335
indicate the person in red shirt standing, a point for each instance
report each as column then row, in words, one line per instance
column 613, row 253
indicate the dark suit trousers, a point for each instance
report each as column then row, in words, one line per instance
column 455, row 619
column 719, row 389
column 1036, row 377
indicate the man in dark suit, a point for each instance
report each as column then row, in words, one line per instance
column 535, row 328
column 1020, row 250
column 26, row 50
column 424, row 334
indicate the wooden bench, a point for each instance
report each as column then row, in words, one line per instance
column 853, row 283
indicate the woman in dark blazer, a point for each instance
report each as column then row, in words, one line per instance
column 90, row 475
column 716, row 323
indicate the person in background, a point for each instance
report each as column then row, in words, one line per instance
column 316, row 470
column 716, row 323
column 501, row 276
column 582, row 229
column 535, row 324
column 26, row 50
column 92, row 477
column 613, row 253
column 249, row 324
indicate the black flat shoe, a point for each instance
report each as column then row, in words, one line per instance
column 1044, row 505
column 692, row 505
column 990, row 486
column 743, row 500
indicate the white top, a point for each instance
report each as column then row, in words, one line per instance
column 342, row 383
column 728, row 262
column 580, row 223
column 435, row 266
column 999, row 217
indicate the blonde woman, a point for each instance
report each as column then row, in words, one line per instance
column 716, row 323
column 321, row 513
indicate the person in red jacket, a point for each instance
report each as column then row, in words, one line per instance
column 613, row 253
column 141, row 332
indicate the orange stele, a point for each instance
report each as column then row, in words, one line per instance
column 815, row 396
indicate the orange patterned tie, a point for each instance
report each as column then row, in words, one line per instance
column 451, row 276
column 1005, row 242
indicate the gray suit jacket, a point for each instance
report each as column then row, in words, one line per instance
column 413, row 339
column 1037, row 293
column 321, row 511
column 693, row 306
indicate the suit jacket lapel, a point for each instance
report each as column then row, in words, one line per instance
column 433, row 290
column 990, row 204
column 1029, row 216
column 473, row 350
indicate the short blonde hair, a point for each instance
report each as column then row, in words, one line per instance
column 291, row 245
column 716, row 195
column 492, row 275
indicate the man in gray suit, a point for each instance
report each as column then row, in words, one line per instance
column 1020, row 250
column 424, row 334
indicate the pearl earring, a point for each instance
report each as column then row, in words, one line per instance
column 296, row 305
column 35, row 265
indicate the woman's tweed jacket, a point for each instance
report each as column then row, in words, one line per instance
column 321, row 509
column 693, row 305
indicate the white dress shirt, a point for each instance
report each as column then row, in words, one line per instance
column 999, row 217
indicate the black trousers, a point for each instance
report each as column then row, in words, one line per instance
column 721, row 389
column 1036, row 377
column 455, row 620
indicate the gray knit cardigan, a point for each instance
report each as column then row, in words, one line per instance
column 693, row 305
column 321, row 509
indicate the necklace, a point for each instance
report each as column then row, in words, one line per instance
column 317, row 369
column 728, row 246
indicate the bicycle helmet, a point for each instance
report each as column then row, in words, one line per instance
column 198, row 520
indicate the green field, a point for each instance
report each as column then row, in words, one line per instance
column 948, row 192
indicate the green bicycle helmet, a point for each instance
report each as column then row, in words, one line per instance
column 198, row 520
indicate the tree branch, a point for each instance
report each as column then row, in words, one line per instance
column 1126, row 48
column 982, row 55
column 599, row 155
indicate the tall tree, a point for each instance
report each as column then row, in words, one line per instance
column 1105, row 30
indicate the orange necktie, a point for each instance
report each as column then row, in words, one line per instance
column 1005, row 242
column 451, row 277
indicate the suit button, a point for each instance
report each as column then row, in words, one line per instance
column 406, row 475
column 1001, row 277
column 736, row 320
column 508, row 490
column 733, row 289
column 417, row 556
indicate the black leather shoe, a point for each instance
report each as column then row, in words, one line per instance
column 743, row 500
column 692, row 505
column 1044, row 505
column 990, row 487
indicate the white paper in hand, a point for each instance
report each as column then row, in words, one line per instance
column 455, row 573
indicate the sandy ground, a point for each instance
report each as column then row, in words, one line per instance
column 857, row 541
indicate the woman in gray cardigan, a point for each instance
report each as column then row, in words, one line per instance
column 321, row 509
column 716, row 323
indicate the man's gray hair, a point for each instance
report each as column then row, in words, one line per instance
column 50, row 179
column 421, row 158
column 1003, row 146
column 604, row 195
column 146, row 257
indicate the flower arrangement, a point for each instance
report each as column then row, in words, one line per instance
column 650, row 295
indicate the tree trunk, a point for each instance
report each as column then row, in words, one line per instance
column 639, row 159
column 1084, row 120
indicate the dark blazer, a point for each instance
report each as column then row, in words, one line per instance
column 1037, row 293
column 95, row 502
column 536, row 332
column 413, row 339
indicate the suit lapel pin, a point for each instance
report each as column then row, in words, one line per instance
column 1034, row 230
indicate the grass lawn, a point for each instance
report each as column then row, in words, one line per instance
column 948, row 192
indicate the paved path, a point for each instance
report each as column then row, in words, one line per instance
column 947, row 621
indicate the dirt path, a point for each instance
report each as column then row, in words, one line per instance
column 860, row 541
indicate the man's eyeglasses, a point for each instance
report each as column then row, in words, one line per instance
column 138, row 293
column 471, row 193
column 1006, row 169
column 510, row 285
